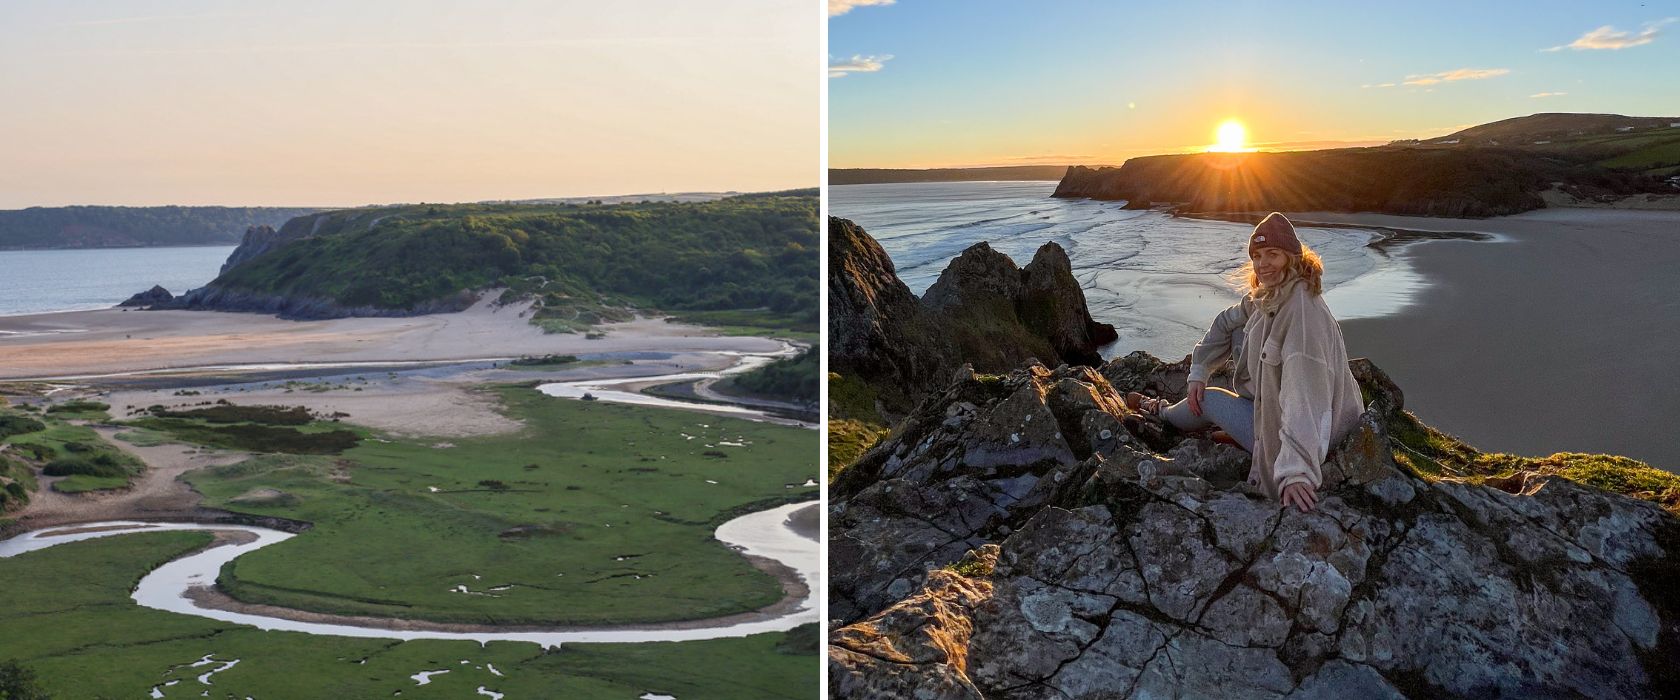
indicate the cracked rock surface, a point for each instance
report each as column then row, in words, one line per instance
column 1022, row 536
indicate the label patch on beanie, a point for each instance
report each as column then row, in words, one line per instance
column 1259, row 239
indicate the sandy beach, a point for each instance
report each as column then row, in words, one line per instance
column 79, row 343
column 1559, row 335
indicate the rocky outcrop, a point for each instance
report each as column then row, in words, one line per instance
column 877, row 331
column 983, row 310
column 257, row 241
column 1024, row 536
column 156, row 295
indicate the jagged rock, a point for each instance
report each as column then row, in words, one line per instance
column 262, row 239
column 983, row 310
column 156, row 295
column 877, row 331
column 1124, row 572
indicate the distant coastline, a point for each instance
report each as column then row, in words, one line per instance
column 877, row 176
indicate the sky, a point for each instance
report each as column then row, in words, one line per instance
column 332, row 103
column 955, row 83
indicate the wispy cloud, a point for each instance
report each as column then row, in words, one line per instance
column 1378, row 85
column 840, row 7
column 856, row 64
column 1606, row 37
column 1548, row 94
column 1455, row 75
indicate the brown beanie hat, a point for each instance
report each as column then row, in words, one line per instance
column 1274, row 231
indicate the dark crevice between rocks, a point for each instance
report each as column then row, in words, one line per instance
column 1658, row 581
column 1144, row 668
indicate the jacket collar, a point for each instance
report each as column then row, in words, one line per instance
column 1275, row 301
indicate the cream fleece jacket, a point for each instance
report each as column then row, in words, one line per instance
column 1294, row 365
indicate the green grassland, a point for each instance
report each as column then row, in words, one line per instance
column 60, row 448
column 1635, row 150
column 595, row 513
column 69, row 618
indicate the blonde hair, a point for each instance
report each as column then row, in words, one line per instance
column 1308, row 266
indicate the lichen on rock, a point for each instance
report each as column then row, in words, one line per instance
column 1093, row 558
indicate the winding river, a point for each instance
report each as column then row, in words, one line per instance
column 603, row 389
column 765, row 533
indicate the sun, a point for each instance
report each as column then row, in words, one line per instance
column 1232, row 137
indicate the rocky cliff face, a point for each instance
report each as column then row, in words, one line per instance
column 983, row 310
column 877, row 331
column 1023, row 536
column 263, row 239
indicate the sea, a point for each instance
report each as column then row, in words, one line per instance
column 43, row 281
column 1159, row 279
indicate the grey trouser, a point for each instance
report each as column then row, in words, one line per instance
column 1221, row 408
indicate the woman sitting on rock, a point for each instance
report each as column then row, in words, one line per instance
column 1292, row 395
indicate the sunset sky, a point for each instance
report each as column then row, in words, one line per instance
column 943, row 83
column 330, row 103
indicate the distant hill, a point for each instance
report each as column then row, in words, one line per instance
column 874, row 176
column 1489, row 170
column 748, row 260
column 1518, row 131
column 130, row 227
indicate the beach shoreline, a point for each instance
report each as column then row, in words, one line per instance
column 1553, row 337
column 111, row 341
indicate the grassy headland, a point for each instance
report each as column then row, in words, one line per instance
column 1489, row 170
column 744, row 260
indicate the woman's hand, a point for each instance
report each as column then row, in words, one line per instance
column 1300, row 495
column 1196, row 397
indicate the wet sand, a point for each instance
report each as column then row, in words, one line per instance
column 108, row 341
column 1558, row 336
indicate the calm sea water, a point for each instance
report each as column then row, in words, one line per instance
column 39, row 281
column 1160, row 280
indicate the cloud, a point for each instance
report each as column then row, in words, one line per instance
column 856, row 64
column 1606, row 37
column 840, row 7
column 1548, row 94
column 1452, row 75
